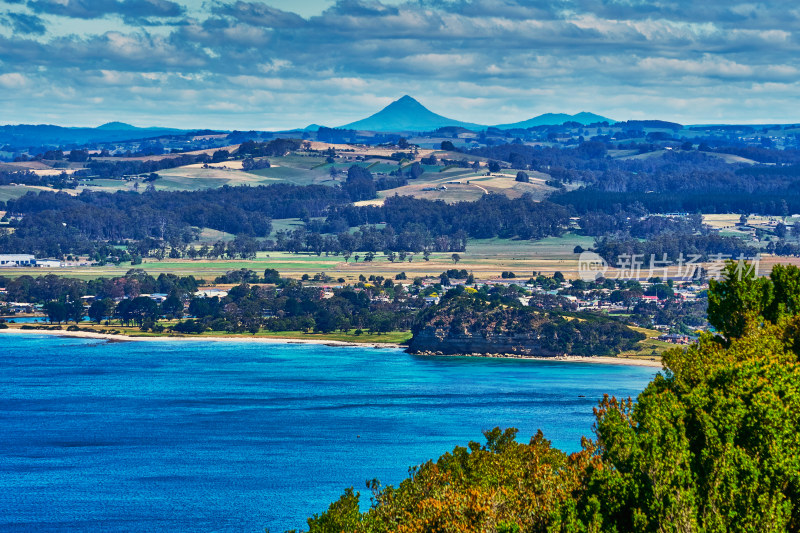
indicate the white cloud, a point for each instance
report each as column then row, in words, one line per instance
column 486, row 61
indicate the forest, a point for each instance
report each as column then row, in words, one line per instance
column 56, row 224
column 619, row 201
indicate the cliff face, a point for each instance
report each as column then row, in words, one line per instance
column 467, row 325
column 432, row 340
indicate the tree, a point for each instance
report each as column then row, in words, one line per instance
column 448, row 145
column 75, row 310
column 271, row 276
column 101, row 310
column 360, row 184
column 456, row 258
column 137, row 310
column 737, row 301
column 414, row 170
column 56, row 311
column 703, row 449
column 494, row 166
column 172, row 307
column 522, row 177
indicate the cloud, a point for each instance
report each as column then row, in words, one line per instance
column 130, row 10
column 23, row 23
column 259, row 14
column 13, row 80
column 473, row 58
column 362, row 8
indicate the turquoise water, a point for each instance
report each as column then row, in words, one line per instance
column 227, row 436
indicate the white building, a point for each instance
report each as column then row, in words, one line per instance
column 210, row 293
column 49, row 263
column 17, row 260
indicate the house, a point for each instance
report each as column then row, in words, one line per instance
column 17, row 260
column 675, row 338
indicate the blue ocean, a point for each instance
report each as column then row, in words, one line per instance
column 236, row 436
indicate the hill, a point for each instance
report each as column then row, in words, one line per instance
column 117, row 126
column 35, row 135
column 556, row 119
column 469, row 324
column 407, row 114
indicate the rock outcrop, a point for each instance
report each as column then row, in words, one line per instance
column 465, row 324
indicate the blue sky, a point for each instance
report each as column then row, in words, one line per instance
column 240, row 64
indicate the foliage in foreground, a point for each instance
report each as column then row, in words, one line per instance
column 712, row 444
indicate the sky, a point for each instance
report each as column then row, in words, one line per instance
column 279, row 64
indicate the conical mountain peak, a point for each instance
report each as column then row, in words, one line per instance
column 406, row 114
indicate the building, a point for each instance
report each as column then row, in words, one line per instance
column 156, row 297
column 49, row 263
column 17, row 260
column 211, row 293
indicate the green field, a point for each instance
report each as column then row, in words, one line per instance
column 211, row 236
column 548, row 248
column 484, row 258
column 12, row 192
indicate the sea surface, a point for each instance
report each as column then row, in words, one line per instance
column 235, row 436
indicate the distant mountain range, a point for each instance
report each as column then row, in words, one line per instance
column 403, row 115
column 551, row 119
column 122, row 126
column 407, row 114
column 45, row 134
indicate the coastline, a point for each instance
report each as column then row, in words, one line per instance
column 598, row 359
column 207, row 338
column 291, row 340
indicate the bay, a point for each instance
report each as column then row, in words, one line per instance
column 240, row 436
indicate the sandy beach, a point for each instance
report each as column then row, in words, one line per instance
column 289, row 340
column 204, row 338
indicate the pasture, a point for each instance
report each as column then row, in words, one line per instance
column 486, row 259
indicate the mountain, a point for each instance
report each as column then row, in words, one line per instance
column 37, row 135
column 116, row 126
column 406, row 114
column 555, row 119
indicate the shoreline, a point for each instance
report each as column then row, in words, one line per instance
column 603, row 360
column 207, row 338
column 598, row 359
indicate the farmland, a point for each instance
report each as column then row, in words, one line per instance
column 484, row 258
